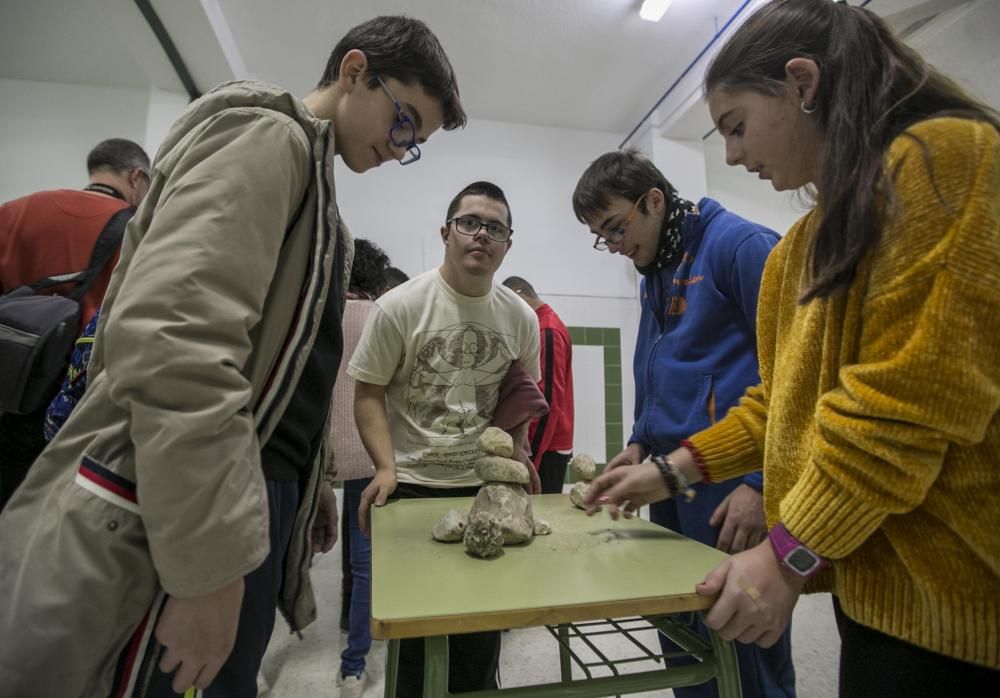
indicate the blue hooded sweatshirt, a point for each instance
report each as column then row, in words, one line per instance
column 696, row 352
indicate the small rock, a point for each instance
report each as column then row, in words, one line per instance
column 483, row 537
column 451, row 527
column 585, row 466
column 576, row 494
column 542, row 527
column 498, row 469
column 496, row 442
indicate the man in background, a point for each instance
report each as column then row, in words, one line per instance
column 551, row 435
column 50, row 233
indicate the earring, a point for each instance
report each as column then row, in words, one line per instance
column 805, row 109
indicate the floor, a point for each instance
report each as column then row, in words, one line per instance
column 308, row 667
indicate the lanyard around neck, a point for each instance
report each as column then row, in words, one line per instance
column 105, row 189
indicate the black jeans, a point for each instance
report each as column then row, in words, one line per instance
column 22, row 440
column 876, row 665
column 238, row 676
column 473, row 658
column 552, row 471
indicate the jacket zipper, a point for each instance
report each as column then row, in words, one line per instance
column 655, row 347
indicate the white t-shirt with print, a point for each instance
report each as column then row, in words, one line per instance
column 442, row 357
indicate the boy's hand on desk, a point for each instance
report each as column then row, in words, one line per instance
column 376, row 494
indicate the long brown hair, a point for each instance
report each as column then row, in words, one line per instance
column 872, row 88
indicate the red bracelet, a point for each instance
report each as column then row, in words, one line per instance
column 698, row 460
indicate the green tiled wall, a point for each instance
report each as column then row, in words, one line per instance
column 609, row 338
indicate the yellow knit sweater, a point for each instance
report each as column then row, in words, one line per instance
column 876, row 421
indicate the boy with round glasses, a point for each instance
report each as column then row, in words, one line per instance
column 148, row 548
column 695, row 355
column 429, row 368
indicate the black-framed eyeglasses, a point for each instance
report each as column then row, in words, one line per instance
column 467, row 225
column 615, row 236
column 402, row 133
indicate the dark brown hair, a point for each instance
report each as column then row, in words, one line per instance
column 369, row 270
column 487, row 189
column 872, row 88
column 625, row 173
column 406, row 49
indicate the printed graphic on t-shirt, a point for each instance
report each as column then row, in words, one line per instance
column 451, row 393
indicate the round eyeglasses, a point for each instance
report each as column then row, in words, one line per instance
column 467, row 225
column 402, row 133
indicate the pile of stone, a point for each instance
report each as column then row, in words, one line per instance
column 501, row 513
column 586, row 469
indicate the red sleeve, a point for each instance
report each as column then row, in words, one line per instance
column 554, row 363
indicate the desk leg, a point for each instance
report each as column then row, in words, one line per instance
column 391, row 668
column 565, row 668
column 729, row 675
column 436, row 666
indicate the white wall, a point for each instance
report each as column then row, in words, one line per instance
column 962, row 44
column 47, row 129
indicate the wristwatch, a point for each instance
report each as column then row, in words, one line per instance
column 794, row 556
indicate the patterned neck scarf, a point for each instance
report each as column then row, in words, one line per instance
column 668, row 252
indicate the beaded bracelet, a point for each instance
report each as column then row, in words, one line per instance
column 673, row 478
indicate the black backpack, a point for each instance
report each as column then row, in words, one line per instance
column 38, row 330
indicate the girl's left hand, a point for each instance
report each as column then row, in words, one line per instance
column 756, row 596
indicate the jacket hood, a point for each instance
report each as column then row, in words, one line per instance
column 243, row 93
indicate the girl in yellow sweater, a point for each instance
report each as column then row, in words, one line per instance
column 876, row 421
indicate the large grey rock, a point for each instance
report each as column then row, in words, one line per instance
column 483, row 537
column 584, row 466
column 510, row 505
column 496, row 442
column 498, row 469
column 451, row 527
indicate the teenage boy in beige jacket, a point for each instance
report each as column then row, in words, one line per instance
column 155, row 525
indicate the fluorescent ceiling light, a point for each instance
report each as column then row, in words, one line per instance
column 653, row 10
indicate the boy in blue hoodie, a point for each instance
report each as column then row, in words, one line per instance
column 695, row 355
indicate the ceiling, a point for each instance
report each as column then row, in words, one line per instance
column 584, row 64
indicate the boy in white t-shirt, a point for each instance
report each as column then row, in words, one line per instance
column 429, row 367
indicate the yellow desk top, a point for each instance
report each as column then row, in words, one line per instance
column 587, row 568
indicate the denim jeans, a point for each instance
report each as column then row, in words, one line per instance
column 359, row 636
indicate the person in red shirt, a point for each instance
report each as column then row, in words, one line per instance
column 551, row 435
column 53, row 232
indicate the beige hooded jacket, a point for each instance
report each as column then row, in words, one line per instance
column 154, row 485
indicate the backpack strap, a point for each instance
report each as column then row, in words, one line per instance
column 105, row 247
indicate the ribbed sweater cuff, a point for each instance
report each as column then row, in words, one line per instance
column 727, row 450
column 827, row 518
